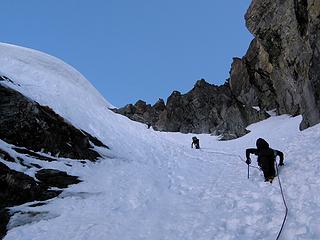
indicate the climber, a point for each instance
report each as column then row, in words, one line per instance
column 266, row 158
column 195, row 142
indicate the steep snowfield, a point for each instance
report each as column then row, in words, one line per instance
column 152, row 185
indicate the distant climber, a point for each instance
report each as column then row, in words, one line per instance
column 148, row 125
column 195, row 142
column 266, row 158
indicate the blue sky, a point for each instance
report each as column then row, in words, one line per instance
column 133, row 49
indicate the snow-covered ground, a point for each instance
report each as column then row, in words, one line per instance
column 152, row 185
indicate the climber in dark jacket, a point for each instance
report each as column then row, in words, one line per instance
column 266, row 158
column 195, row 142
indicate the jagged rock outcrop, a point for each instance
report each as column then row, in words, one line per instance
column 281, row 71
column 205, row 109
column 25, row 123
column 250, row 80
column 143, row 112
column 282, row 66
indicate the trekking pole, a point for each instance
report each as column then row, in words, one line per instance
column 248, row 170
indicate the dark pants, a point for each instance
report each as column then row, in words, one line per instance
column 268, row 171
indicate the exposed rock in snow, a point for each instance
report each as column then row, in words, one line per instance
column 56, row 178
column 154, row 186
column 279, row 71
column 205, row 109
column 4, row 216
column 18, row 188
column 34, row 136
column 25, row 123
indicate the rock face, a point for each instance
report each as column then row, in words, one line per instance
column 25, row 123
column 250, row 80
column 281, row 68
column 205, row 109
column 281, row 71
column 32, row 128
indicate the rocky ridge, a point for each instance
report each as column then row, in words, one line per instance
column 205, row 109
column 280, row 72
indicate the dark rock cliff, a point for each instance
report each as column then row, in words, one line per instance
column 205, row 109
column 281, row 71
column 281, row 68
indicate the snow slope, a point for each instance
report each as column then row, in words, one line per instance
column 152, row 185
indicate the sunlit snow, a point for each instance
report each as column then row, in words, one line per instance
column 152, row 185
